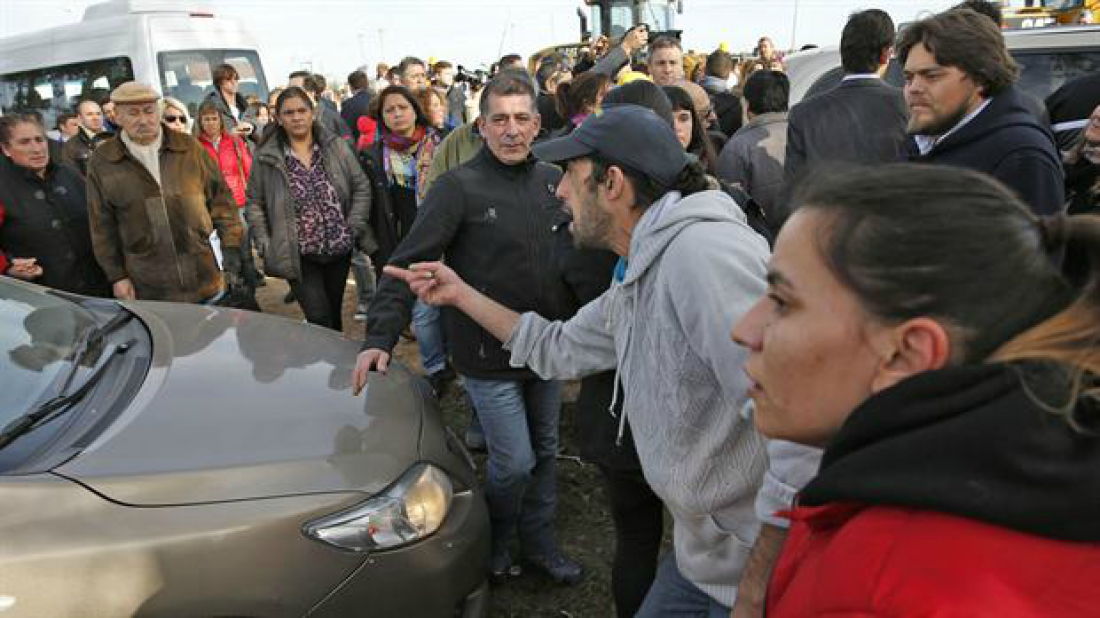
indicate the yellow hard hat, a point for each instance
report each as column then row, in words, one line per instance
column 723, row 46
column 631, row 76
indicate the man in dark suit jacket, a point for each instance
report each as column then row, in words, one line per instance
column 966, row 112
column 860, row 121
column 357, row 104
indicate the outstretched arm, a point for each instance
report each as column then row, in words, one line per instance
column 437, row 284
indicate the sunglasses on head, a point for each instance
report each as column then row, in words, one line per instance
column 170, row 118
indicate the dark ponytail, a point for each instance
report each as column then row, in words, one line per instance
column 958, row 246
column 1072, row 336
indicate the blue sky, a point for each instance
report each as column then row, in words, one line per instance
column 336, row 36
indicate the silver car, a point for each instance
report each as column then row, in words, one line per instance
column 165, row 459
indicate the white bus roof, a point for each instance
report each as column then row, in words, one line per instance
column 120, row 28
column 122, row 8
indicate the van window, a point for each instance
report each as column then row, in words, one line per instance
column 54, row 90
column 188, row 75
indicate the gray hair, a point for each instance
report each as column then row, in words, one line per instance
column 509, row 82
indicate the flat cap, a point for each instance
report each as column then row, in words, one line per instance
column 134, row 92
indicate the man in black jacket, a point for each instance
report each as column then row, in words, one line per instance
column 863, row 119
column 76, row 152
column 964, row 110
column 358, row 104
column 493, row 219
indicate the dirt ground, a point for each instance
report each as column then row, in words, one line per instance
column 584, row 526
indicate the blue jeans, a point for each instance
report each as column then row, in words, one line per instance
column 428, row 328
column 673, row 595
column 520, row 420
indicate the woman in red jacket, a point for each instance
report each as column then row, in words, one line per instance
column 918, row 327
column 234, row 159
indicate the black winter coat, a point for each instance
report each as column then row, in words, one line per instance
column 494, row 225
column 382, row 218
column 1007, row 142
column 47, row 219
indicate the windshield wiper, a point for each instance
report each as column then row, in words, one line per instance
column 52, row 408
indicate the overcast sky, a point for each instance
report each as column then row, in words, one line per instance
column 337, row 36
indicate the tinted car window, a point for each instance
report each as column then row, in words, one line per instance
column 1041, row 73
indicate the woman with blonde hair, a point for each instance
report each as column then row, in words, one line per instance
column 174, row 114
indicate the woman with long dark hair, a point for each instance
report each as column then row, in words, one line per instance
column 579, row 98
column 919, row 326
column 395, row 163
column 307, row 208
column 690, row 128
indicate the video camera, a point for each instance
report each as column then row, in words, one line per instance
column 476, row 79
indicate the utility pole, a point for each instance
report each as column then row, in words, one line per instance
column 794, row 26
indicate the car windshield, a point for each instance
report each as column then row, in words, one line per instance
column 38, row 334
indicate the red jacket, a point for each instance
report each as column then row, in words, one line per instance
column 235, row 162
column 847, row 561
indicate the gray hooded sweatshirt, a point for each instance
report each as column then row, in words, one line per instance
column 695, row 266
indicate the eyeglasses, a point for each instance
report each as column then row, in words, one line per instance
column 171, row 119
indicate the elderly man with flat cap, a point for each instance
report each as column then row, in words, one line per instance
column 154, row 197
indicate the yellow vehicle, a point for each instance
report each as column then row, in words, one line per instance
column 612, row 18
column 1043, row 13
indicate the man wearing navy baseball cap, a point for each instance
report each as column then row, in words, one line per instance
column 691, row 266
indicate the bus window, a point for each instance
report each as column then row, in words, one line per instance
column 53, row 90
column 188, row 75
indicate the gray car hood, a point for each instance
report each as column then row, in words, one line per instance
column 241, row 405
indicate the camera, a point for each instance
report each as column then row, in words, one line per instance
column 476, row 79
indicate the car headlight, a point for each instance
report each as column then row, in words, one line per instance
column 412, row 509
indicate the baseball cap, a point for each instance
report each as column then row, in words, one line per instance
column 629, row 135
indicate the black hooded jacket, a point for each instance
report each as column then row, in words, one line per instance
column 1007, row 142
column 975, row 442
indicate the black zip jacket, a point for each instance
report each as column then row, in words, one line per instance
column 982, row 441
column 1006, row 142
column 494, row 225
column 47, row 218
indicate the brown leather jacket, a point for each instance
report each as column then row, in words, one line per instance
column 158, row 235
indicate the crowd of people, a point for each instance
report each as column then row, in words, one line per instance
column 852, row 346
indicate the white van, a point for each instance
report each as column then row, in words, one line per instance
column 170, row 45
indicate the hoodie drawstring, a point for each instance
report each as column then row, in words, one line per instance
column 618, row 366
